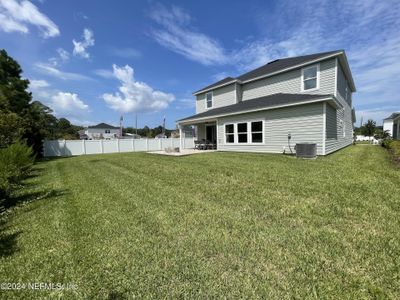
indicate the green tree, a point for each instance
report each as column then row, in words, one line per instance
column 21, row 118
column 369, row 128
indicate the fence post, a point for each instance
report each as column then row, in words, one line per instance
column 133, row 145
column 147, row 144
column 160, row 144
column 180, row 138
column 83, row 147
column 102, row 146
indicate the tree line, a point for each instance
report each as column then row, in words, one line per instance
column 21, row 117
column 24, row 124
column 148, row 132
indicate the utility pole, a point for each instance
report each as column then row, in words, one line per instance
column 163, row 130
column 120, row 126
column 136, row 123
column 361, row 121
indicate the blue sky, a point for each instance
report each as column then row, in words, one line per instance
column 92, row 61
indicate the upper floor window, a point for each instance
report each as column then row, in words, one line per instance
column 107, row 131
column 310, row 78
column 209, row 100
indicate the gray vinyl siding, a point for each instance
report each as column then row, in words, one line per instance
column 304, row 123
column 222, row 96
column 341, row 86
column 290, row 82
column 344, row 116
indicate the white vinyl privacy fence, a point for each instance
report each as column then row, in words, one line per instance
column 82, row 147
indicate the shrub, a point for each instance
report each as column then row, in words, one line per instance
column 16, row 162
column 394, row 147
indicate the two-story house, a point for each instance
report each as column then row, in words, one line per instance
column 308, row 98
column 102, row 131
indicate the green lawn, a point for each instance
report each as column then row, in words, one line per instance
column 213, row 225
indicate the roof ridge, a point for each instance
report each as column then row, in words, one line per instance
column 270, row 67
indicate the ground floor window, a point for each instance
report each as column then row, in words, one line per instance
column 257, row 132
column 242, row 132
column 250, row 132
column 229, row 133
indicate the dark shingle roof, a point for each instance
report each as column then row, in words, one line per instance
column 258, row 103
column 393, row 115
column 272, row 67
column 225, row 80
column 283, row 63
column 103, row 126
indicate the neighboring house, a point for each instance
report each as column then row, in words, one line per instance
column 392, row 125
column 82, row 134
column 102, row 131
column 307, row 97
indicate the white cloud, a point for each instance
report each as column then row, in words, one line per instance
column 80, row 47
column 174, row 33
column 219, row 76
column 17, row 15
column 38, row 84
column 54, row 72
column 68, row 104
column 63, row 104
column 302, row 27
column 62, row 56
column 376, row 114
column 105, row 73
column 135, row 96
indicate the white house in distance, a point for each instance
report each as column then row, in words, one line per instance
column 102, row 131
column 392, row 125
column 304, row 99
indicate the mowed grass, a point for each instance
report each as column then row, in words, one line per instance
column 216, row 225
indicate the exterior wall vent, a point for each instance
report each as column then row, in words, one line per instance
column 306, row 150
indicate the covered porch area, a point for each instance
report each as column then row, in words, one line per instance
column 205, row 134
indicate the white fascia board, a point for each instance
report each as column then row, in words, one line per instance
column 215, row 87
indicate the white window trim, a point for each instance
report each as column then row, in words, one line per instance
column 249, row 132
column 212, row 100
column 234, row 133
column 318, row 78
column 242, row 133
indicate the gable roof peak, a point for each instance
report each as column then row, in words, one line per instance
column 272, row 67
